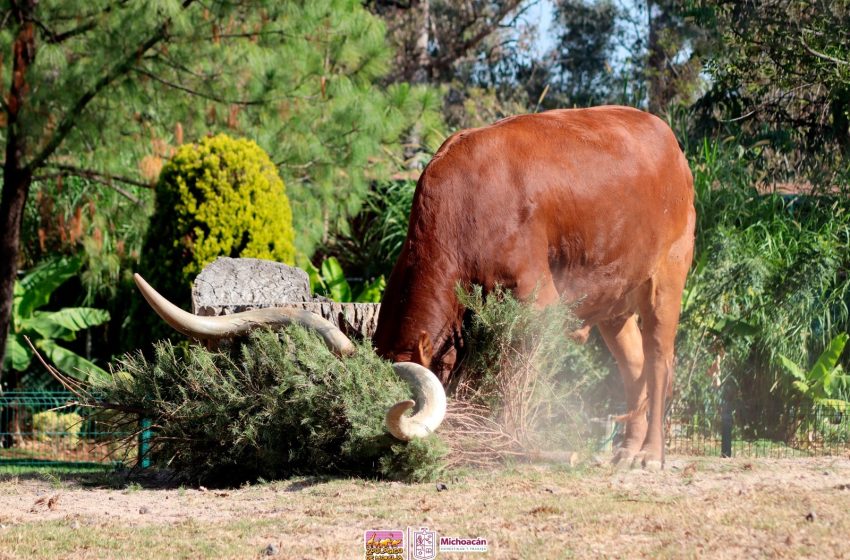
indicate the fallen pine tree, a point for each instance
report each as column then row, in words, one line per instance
column 279, row 404
column 272, row 406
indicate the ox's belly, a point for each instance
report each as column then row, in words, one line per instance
column 602, row 294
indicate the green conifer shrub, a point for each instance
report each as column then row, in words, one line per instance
column 275, row 405
column 521, row 390
column 220, row 197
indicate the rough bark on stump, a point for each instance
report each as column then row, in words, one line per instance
column 229, row 286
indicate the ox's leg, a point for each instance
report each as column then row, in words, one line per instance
column 623, row 338
column 659, row 320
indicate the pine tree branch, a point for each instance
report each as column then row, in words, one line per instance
column 163, row 58
column 121, row 69
column 6, row 15
column 158, row 57
column 103, row 178
column 197, row 93
column 55, row 38
column 97, row 179
column 247, row 35
column 91, row 174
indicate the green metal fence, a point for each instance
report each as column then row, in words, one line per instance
column 48, row 427
column 735, row 431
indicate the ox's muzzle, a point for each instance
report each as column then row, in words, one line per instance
column 429, row 397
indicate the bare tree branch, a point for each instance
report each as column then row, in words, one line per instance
column 823, row 56
column 462, row 47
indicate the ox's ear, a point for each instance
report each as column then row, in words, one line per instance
column 423, row 351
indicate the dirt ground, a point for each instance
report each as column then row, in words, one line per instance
column 713, row 508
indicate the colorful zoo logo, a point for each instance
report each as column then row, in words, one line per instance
column 384, row 544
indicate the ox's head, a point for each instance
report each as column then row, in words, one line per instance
column 441, row 358
column 429, row 397
column 420, row 318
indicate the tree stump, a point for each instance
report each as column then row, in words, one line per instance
column 229, row 286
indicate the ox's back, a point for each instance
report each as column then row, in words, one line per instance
column 594, row 197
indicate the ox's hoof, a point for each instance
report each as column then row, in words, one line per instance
column 652, row 465
column 648, row 461
column 623, row 458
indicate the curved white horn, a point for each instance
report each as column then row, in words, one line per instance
column 429, row 399
column 226, row 326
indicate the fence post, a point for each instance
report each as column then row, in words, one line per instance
column 144, row 443
column 725, row 429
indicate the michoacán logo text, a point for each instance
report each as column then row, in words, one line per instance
column 458, row 544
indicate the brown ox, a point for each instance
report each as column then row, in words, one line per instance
column 593, row 206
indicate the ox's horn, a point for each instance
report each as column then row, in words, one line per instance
column 226, row 326
column 429, row 399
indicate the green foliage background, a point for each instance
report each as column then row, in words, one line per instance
column 110, row 88
column 46, row 328
column 769, row 281
column 299, row 78
column 780, row 72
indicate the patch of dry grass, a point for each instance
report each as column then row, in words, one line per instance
column 707, row 507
